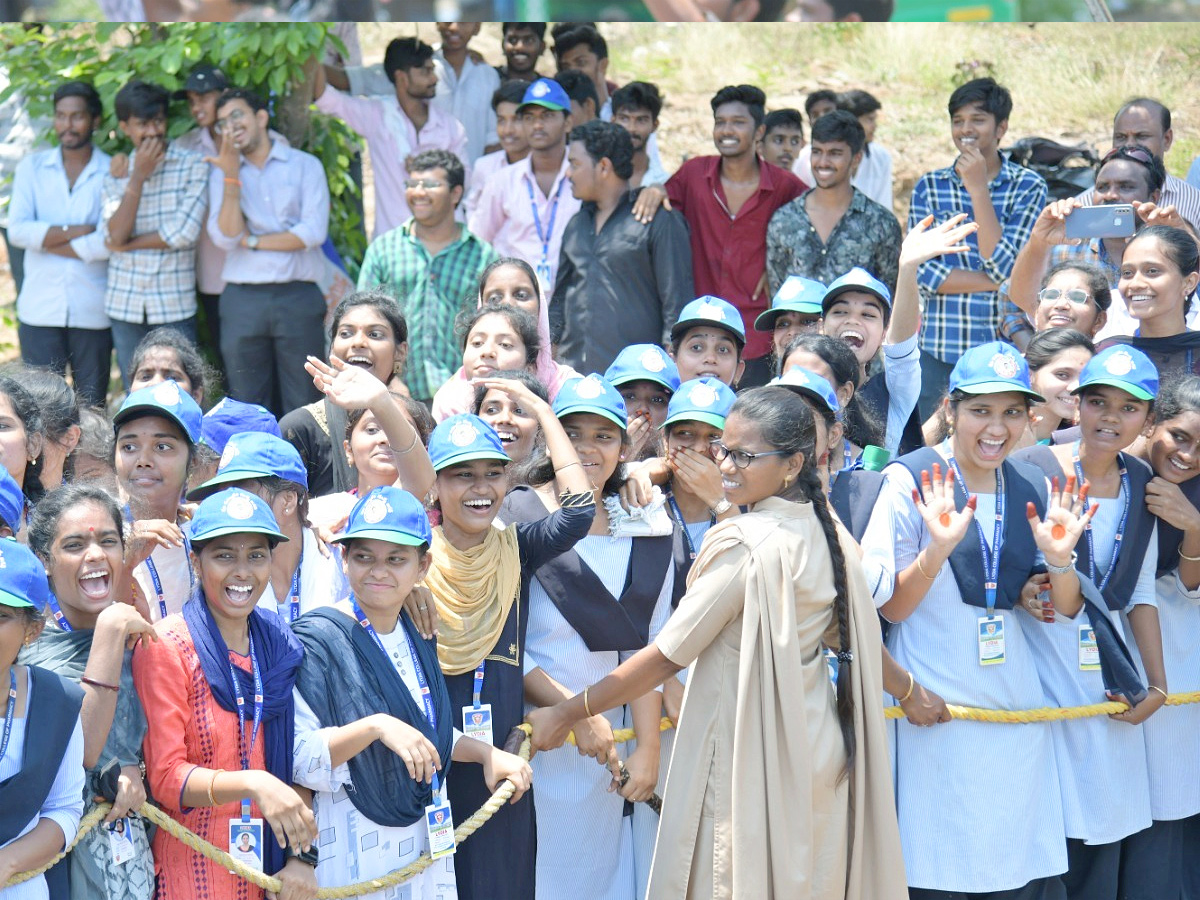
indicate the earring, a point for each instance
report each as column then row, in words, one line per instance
column 787, row 483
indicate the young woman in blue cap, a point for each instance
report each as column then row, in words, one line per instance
column 949, row 551
column 708, row 339
column 646, row 378
column 589, row 607
column 376, row 728
column 156, row 432
column 776, row 788
column 1118, row 554
column 479, row 577
column 1159, row 861
column 795, row 310
column 305, row 572
column 76, row 532
column 41, row 746
column 217, row 690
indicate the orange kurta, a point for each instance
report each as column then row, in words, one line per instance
column 186, row 729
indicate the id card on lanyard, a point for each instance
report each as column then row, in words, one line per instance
column 244, row 827
column 543, row 266
column 157, row 582
column 477, row 718
column 990, row 628
column 438, row 819
column 294, row 592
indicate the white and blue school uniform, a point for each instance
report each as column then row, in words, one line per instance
column 584, row 839
column 979, row 804
column 321, row 582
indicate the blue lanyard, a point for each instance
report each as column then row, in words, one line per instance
column 1125, row 487
column 991, row 559
column 294, row 594
column 59, row 619
column 157, row 582
column 687, row 535
column 10, row 711
column 477, row 689
column 244, row 751
column 426, row 697
column 544, row 265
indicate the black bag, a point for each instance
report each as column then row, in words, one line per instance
column 1068, row 171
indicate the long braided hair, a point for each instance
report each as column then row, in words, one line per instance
column 786, row 422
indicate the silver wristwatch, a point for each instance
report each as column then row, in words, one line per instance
column 252, row 241
column 721, row 508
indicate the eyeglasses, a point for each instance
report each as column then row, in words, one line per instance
column 741, row 458
column 234, row 117
column 1075, row 295
column 427, row 184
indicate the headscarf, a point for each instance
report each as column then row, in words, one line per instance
column 344, row 678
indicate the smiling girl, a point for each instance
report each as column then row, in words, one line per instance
column 217, row 689
column 516, row 426
column 1055, row 359
column 1116, row 394
column 368, row 331
column 950, row 557
column 480, row 578
column 375, row 724
column 21, row 440
column 77, row 533
column 508, row 281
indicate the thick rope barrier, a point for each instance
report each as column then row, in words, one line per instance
column 504, row 792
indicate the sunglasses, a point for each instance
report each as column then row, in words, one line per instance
column 1075, row 295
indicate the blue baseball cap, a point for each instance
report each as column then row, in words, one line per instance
column 710, row 310
column 462, row 438
column 166, row 399
column 643, row 362
column 389, row 514
column 1124, row 367
column 993, row 368
column 860, row 280
column 810, row 384
column 12, row 501
column 591, row 395
column 704, row 399
column 23, row 582
column 796, row 294
column 548, row 93
column 230, row 417
column 233, row 511
column 254, row 454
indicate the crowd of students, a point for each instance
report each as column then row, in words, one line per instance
column 306, row 619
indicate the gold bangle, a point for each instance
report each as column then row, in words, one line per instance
column 1184, row 556
column 912, row 683
column 1155, row 687
column 586, row 708
column 212, row 801
column 921, row 569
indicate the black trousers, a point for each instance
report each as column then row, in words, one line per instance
column 1041, row 889
column 1092, row 870
column 88, row 352
column 1162, row 862
column 267, row 331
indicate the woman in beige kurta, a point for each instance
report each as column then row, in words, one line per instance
column 759, row 802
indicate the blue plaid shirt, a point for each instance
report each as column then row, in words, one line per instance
column 952, row 323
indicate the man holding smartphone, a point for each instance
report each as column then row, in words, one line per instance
column 1129, row 176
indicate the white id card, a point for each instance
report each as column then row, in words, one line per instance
column 441, row 829
column 119, row 841
column 1089, row 652
column 991, row 640
column 477, row 722
column 246, row 842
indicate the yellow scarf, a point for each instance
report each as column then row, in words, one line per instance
column 474, row 590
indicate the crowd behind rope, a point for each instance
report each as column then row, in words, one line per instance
column 591, row 444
